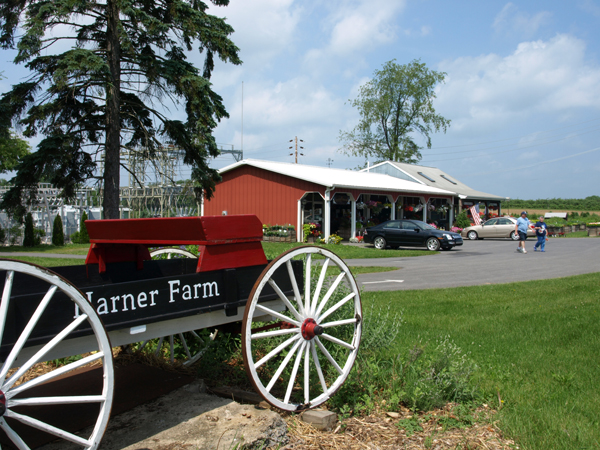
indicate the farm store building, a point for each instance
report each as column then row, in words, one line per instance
column 338, row 201
column 433, row 177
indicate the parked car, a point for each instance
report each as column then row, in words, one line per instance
column 410, row 233
column 498, row 227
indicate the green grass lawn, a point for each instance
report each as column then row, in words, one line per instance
column 49, row 262
column 70, row 249
column 537, row 346
column 272, row 250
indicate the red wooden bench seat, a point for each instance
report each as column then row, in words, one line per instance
column 223, row 241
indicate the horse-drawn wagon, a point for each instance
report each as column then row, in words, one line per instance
column 300, row 313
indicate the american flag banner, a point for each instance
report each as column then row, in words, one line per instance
column 475, row 214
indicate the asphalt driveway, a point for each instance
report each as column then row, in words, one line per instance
column 487, row 261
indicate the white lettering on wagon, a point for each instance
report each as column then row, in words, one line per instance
column 210, row 289
column 130, row 302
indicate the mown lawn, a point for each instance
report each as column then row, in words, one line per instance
column 272, row 250
column 537, row 346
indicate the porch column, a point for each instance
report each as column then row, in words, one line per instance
column 327, row 214
column 299, row 223
column 352, row 216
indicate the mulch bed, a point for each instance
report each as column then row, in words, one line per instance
column 381, row 432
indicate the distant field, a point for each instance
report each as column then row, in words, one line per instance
column 543, row 211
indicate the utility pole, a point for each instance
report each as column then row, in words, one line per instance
column 296, row 152
column 329, row 162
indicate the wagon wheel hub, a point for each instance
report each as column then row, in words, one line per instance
column 2, row 403
column 310, row 329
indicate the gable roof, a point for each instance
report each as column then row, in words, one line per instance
column 431, row 176
column 339, row 178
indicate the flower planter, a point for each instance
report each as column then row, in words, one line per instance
column 593, row 231
column 291, row 237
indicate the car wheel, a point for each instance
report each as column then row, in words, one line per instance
column 514, row 236
column 379, row 243
column 472, row 235
column 433, row 244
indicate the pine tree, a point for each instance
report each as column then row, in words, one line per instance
column 28, row 238
column 84, row 237
column 105, row 93
column 58, row 237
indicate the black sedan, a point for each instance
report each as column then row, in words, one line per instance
column 410, row 233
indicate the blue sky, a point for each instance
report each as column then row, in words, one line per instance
column 522, row 87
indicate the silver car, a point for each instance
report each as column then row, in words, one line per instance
column 498, row 227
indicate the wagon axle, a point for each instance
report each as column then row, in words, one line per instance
column 310, row 329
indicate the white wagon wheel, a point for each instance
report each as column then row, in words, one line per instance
column 191, row 342
column 171, row 253
column 320, row 328
column 18, row 396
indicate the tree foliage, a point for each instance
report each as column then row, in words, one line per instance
column 12, row 149
column 591, row 203
column 84, row 237
column 127, row 62
column 58, row 236
column 28, row 237
column 395, row 107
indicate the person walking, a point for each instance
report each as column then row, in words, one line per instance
column 541, row 231
column 521, row 227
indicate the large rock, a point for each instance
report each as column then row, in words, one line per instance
column 189, row 419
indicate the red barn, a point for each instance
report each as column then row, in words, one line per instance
column 335, row 199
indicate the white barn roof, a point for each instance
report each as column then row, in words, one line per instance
column 431, row 176
column 339, row 178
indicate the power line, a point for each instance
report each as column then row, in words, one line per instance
column 519, row 137
column 538, row 163
column 505, row 151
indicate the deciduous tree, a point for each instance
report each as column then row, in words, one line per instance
column 127, row 61
column 12, row 149
column 395, row 107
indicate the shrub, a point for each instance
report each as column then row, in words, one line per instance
column 278, row 230
column 462, row 221
column 58, row 237
column 38, row 234
column 14, row 233
column 334, row 239
column 2, row 236
column 84, row 237
column 28, row 238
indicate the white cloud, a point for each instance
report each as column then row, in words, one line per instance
column 511, row 20
column 263, row 28
column 537, row 78
column 589, row 6
column 354, row 30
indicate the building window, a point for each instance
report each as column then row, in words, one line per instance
column 447, row 179
column 426, row 177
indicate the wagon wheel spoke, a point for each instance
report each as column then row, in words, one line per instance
column 185, row 348
column 45, row 304
column 34, row 423
column 38, row 356
column 14, row 437
column 310, row 292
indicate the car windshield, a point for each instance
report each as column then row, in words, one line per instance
column 423, row 225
